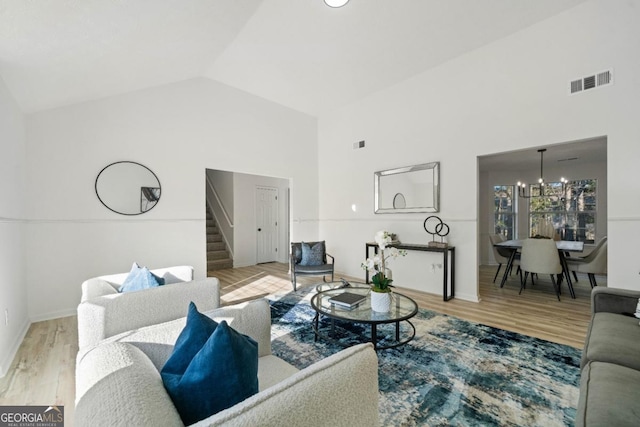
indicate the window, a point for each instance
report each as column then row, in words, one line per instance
column 573, row 213
column 504, row 212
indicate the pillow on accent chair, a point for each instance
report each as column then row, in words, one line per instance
column 296, row 250
column 312, row 255
column 140, row 278
column 212, row 368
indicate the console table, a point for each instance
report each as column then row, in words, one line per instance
column 449, row 252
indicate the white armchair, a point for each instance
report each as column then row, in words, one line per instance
column 118, row 381
column 104, row 312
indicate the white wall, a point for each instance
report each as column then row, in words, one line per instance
column 508, row 95
column 595, row 170
column 245, row 229
column 13, row 286
column 178, row 131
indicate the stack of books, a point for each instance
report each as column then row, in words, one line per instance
column 347, row 300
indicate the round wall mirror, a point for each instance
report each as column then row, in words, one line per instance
column 128, row 188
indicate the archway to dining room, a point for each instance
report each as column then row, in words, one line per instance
column 577, row 211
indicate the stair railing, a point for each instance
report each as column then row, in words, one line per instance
column 219, row 212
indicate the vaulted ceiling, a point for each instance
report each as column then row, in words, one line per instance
column 298, row 53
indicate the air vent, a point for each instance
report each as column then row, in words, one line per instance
column 591, row 82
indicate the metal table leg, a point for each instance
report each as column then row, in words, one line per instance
column 445, row 274
column 374, row 336
column 567, row 274
column 315, row 321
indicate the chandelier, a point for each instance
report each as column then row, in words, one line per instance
column 522, row 187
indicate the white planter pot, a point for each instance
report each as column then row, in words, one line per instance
column 381, row 301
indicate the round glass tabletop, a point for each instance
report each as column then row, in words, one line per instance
column 402, row 307
column 339, row 285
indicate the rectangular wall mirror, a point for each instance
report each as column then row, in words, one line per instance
column 408, row 189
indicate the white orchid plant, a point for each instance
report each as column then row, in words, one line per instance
column 377, row 264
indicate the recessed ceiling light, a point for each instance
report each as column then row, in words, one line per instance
column 336, row 3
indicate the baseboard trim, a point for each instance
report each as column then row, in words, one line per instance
column 467, row 297
column 13, row 350
column 54, row 315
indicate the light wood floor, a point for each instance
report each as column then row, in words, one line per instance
column 536, row 312
column 43, row 371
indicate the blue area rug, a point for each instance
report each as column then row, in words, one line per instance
column 454, row 372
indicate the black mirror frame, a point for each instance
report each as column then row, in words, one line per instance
column 135, row 163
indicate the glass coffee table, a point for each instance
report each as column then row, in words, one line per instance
column 403, row 308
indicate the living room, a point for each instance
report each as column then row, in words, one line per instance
column 509, row 94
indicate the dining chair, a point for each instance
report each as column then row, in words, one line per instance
column 568, row 256
column 540, row 256
column 592, row 264
column 501, row 255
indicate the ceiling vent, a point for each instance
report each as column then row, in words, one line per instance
column 603, row 78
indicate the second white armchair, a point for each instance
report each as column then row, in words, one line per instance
column 104, row 312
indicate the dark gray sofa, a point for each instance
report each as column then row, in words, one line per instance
column 610, row 376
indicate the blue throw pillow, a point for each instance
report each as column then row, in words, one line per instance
column 190, row 341
column 222, row 373
column 140, row 278
column 312, row 255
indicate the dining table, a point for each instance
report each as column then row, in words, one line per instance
column 563, row 246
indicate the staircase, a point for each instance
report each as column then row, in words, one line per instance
column 218, row 258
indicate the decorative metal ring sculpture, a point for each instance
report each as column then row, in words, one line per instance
column 434, row 226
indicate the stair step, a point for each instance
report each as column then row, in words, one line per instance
column 219, row 264
column 214, row 255
column 216, row 246
column 217, row 254
column 214, row 238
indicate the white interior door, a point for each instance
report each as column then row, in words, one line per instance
column 267, row 224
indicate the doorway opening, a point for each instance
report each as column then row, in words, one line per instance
column 240, row 205
column 502, row 211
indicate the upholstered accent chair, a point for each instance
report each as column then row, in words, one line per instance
column 310, row 259
column 540, row 256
